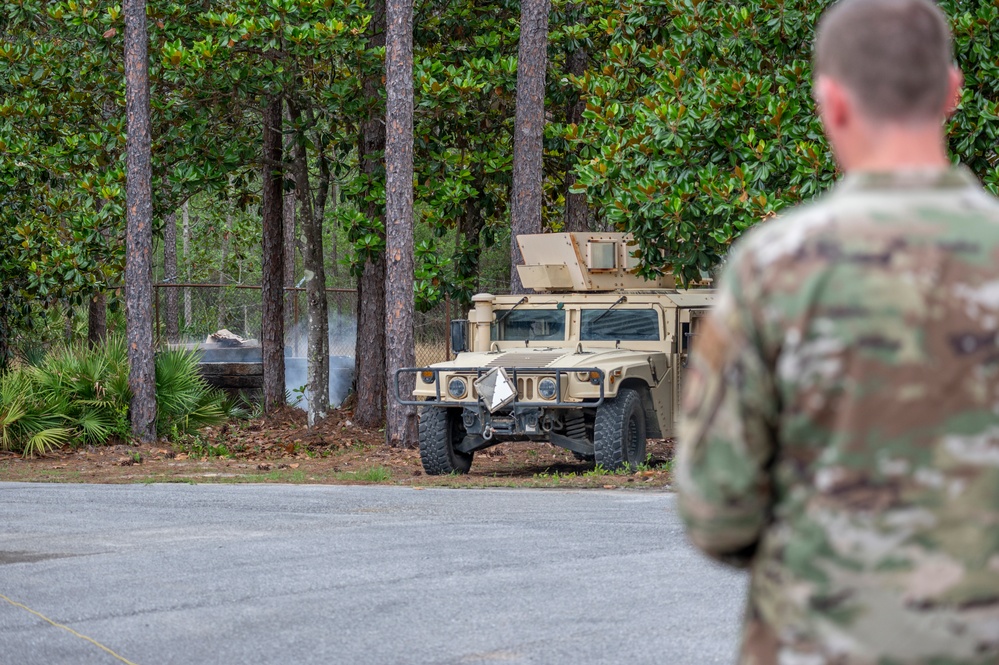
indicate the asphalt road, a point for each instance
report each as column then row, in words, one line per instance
column 316, row 574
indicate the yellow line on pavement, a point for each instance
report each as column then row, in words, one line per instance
column 67, row 629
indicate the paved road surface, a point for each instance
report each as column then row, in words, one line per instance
column 355, row 575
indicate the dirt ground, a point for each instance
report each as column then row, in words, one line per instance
column 281, row 449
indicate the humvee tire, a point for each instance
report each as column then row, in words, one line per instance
column 619, row 431
column 440, row 431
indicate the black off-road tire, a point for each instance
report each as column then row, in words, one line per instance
column 619, row 431
column 440, row 431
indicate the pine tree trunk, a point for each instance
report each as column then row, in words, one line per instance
column 97, row 320
column 291, row 299
column 272, row 269
column 186, row 244
column 289, row 240
column 528, row 129
column 577, row 213
column 172, row 296
column 334, row 250
column 400, row 429
column 369, row 364
column 318, row 356
column 369, row 410
column 97, row 305
column 5, row 350
column 224, row 259
column 139, row 227
column 68, row 324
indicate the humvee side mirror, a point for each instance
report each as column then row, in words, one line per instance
column 459, row 335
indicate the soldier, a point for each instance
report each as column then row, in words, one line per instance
column 841, row 417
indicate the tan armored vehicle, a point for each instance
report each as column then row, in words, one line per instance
column 591, row 362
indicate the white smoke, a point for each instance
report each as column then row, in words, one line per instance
column 342, row 340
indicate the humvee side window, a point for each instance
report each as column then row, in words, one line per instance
column 636, row 325
column 537, row 325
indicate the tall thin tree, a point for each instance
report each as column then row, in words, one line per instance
column 400, row 426
column 312, row 206
column 186, row 248
column 291, row 298
column 97, row 313
column 369, row 368
column 272, row 268
column 171, row 308
column 528, row 129
column 139, row 227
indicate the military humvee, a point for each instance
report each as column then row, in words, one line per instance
column 591, row 362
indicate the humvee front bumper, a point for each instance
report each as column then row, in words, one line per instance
column 561, row 375
column 520, row 419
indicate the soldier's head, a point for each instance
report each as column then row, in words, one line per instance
column 883, row 69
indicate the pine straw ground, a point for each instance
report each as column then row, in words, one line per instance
column 281, row 449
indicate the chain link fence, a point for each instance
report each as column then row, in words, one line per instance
column 203, row 309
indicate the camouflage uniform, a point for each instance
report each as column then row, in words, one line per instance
column 841, row 426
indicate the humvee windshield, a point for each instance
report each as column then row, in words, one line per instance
column 533, row 324
column 603, row 325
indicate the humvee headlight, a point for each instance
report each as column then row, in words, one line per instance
column 427, row 376
column 457, row 387
column 547, row 388
column 595, row 378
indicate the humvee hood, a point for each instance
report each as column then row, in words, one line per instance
column 548, row 358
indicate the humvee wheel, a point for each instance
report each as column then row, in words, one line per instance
column 619, row 431
column 440, row 431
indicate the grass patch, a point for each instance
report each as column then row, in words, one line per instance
column 204, row 450
column 374, row 474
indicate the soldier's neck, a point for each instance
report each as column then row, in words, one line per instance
column 905, row 148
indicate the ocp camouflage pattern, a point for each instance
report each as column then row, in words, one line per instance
column 841, row 426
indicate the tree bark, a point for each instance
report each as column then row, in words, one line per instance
column 172, row 297
column 400, row 428
column 334, row 250
column 226, row 235
column 273, row 273
column 577, row 213
column 139, row 228
column 186, row 246
column 318, row 362
column 68, row 324
column 369, row 360
column 369, row 410
column 97, row 319
column 289, row 240
column 528, row 129
column 5, row 350
column 97, row 306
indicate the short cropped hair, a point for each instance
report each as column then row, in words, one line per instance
column 893, row 55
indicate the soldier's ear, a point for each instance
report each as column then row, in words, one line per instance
column 954, row 93
column 834, row 103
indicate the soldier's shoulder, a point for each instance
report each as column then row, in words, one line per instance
column 873, row 215
column 782, row 235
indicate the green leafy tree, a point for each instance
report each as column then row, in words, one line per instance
column 61, row 184
column 699, row 123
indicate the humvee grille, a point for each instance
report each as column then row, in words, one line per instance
column 528, row 359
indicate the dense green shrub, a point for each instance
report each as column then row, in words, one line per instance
column 28, row 424
column 700, row 121
column 80, row 395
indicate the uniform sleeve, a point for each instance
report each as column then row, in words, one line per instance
column 727, row 431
